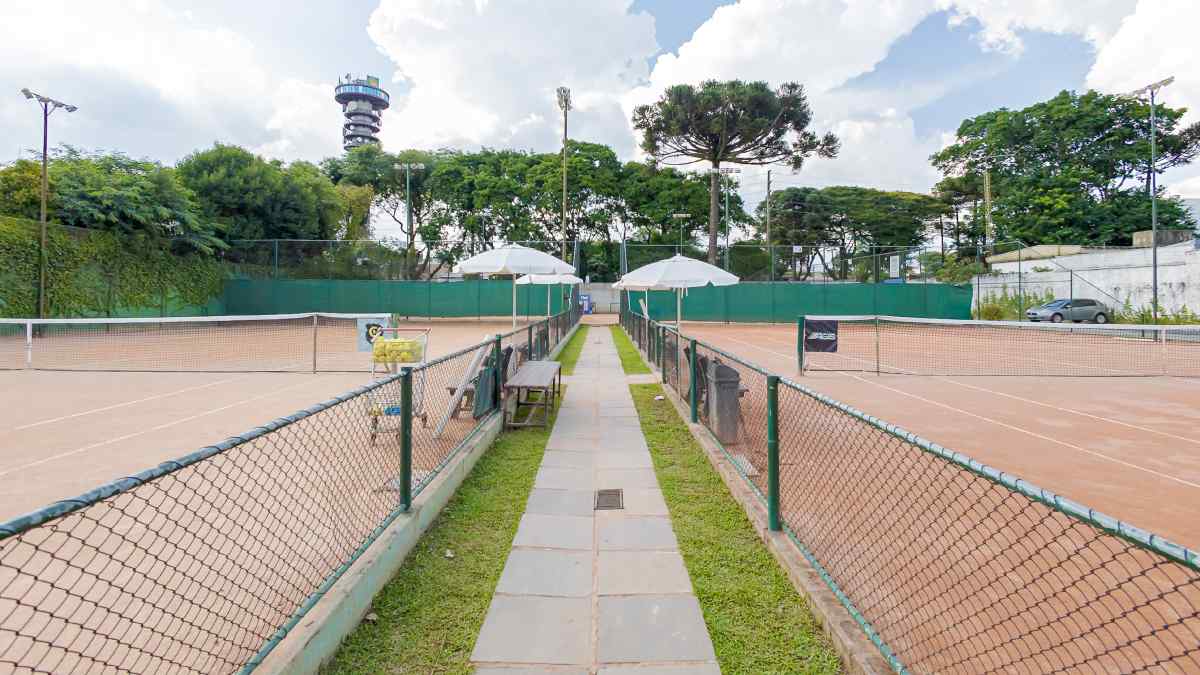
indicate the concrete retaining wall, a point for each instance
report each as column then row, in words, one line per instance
column 1114, row 277
column 605, row 298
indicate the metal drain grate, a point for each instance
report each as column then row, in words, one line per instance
column 609, row 500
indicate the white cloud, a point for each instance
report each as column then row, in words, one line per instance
column 1152, row 43
column 1002, row 20
column 156, row 71
column 485, row 73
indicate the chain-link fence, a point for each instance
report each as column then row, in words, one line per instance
column 205, row 563
column 947, row 565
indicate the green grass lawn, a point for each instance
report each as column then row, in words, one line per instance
column 631, row 361
column 757, row 620
column 570, row 354
column 430, row 613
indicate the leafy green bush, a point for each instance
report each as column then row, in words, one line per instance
column 991, row 311
column 101, row 273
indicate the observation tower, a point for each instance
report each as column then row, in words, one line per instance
column 363, row 102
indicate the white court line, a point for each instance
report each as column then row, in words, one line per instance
column 1003, row 424
column 160, row 427
column 1054, row 407
column 1074, row 412
column 126, row 403
column 1026, row 431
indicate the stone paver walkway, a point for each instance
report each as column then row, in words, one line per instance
column 596, row 592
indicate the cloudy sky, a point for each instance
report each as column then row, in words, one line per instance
column 893, row 78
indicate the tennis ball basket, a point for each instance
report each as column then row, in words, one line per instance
column 393, row 349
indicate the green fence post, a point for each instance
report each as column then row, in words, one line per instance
column 529, row 343
column 662, row 353
column 773, row 453
column 498, row 398
column 800, row 342
column 406, row 438
column 694, row 390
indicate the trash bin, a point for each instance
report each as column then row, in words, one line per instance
column 723, row 385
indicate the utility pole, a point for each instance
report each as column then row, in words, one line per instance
column 408, row 215
column 48, row 105
column 770, row 255
column 1152, row 186
column 564, row 103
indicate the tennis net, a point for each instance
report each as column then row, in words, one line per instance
column 908, row 346
column 278, row 342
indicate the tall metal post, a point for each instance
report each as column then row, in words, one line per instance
column 406, row 438
column 774, row 521
column 314, row 342
column 770, row 257
column 564, row 102
column 42, row 244
column 1153, row 213
column 48, row 105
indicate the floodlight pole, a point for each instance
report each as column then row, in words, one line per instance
column 408, row 208
column 726, row 171
column 1152, row 186
column 564, row 103
column 684, row 217
column 48, row 106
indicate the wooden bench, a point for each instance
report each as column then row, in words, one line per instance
column 544, row 377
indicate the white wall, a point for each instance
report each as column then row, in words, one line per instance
column 1112, row 277
column 605, row 298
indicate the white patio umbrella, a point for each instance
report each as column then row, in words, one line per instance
column 513, row 260
column 549, row 279
column 675, row 274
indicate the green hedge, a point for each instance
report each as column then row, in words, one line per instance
column 102, row 273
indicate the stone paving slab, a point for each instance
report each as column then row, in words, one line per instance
column 623, row 460
column 531, row 629
column 642, row 572
column 682, row 669
column 564, row 459
column 539, row 572
column 568, row 532
column 501, row 670
column 626, row 478
column 644, row 502
column 652, row 628
column 639, row 533
column 556, row 478
column 551, row 502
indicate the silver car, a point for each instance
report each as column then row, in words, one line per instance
column 1079, row 309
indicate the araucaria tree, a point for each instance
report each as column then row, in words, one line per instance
column 731, row 122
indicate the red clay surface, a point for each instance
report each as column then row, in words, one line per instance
column 63, row 433
column 1126, row 446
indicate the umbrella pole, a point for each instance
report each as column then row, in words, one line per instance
column 514, row 285
column 679, row 309
column 548, row 300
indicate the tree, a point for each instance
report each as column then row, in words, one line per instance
column 730, row 122
column 131, row 197
column 1073, row 169
column 354, row 215
column 258, row 199
column 21, row 189
column 847, row 220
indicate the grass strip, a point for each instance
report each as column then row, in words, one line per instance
column 757, row 620
column 570, row 354
column 631, row 360
column 429, row 614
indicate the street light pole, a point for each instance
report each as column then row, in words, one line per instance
column 48, row 106
column 564, row 103
column 1152, row 185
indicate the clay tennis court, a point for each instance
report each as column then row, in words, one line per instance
column 65, row 432
column 1126, row 446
